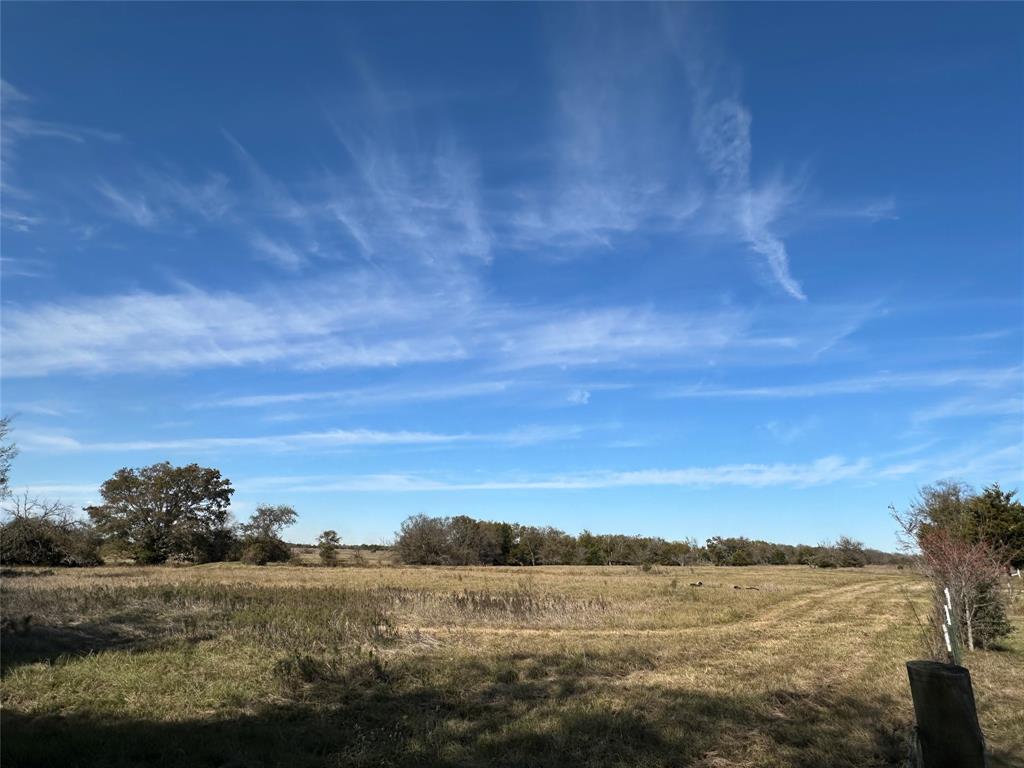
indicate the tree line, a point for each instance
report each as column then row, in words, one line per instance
column 163, row 513
column 463, row 540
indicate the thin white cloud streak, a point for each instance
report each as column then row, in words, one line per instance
column 788, row 433
column 367, row 395
column 306, row 441
column 24, row 267
column 209, row 198
column 275, row 197
column 824, row 471
column 971, row 406
column 40, row 408
column 281, row 254
column 131, row 207
column 158, row 198
column 18, row 221
column 18, row 125
column 983, row 378
column 596, row 337
column 975, row 460
column 882, row 209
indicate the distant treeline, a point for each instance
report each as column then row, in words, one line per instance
column 360, row 547
column 462, row 540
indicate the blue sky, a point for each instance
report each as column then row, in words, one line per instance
column 683, row 271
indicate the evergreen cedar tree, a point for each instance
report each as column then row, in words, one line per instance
column 993, row 516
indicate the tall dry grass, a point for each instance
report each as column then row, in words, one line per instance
column 234, row 665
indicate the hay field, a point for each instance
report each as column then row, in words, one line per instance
column 231, row 665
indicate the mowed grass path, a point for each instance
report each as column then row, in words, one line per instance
column 228, row 665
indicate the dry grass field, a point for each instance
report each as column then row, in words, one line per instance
column 230, row 665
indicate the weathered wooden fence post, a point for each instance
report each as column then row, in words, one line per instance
column 948, row 734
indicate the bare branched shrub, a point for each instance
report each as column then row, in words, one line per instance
column 42, row 532
column 971, row 570
column 938, row 527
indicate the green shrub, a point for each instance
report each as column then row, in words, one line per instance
column 32, row 540
column 740, row 557
column 263, row 551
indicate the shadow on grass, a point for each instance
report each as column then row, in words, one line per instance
column 24, row 642
column 474, row 716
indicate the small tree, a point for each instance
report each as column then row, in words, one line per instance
column 849, row 553
column 424, row 540
column 528, row 543
column 262, row 541
column 328, row 543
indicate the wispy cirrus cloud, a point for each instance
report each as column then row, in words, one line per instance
column 599, row 182
column 991, row 460
column 23, row 267
column 272, row 196
column 361, row 321
column 387, row 202
column 306, row 441
column 132, row 207
column 209, row 197
column 790, row 432
column 383, row 394
column 277, row 252
column 17, row 126
column 157, row 198
column 823, row 471
column 592, row 337
column 20, row 125
column 364, row 319
column 691, row 174
column 403, row 197
column 971, row 406
column 18, row 220
column 855, row 385
column 721, row 127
